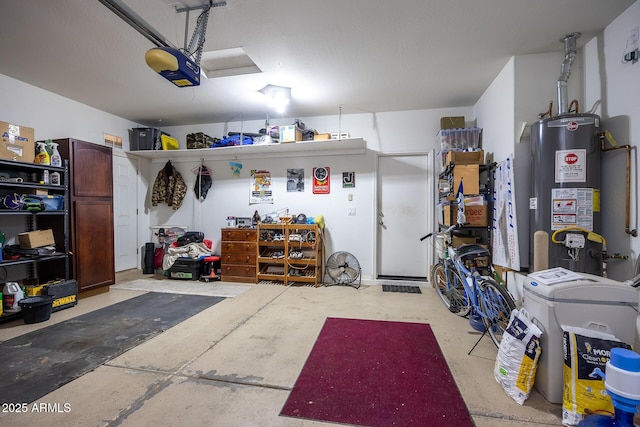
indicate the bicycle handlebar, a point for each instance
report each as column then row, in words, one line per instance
column 426, row 237
column 447, row 231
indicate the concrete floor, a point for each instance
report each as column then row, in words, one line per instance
column 235, row 363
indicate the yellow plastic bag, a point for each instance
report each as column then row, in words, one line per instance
column 584, row 392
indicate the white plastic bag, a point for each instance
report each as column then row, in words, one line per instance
column 518, row 354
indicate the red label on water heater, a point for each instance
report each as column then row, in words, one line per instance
column 572, row 126
column 570, row 158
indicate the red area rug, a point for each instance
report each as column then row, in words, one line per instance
column 377, row 373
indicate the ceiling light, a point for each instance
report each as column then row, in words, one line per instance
column 278, row 97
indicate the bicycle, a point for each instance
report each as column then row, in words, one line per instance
column 466, row 292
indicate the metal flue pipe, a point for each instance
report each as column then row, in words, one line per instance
column 569, row 56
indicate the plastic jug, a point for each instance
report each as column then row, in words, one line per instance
column 622, row 382
column 11, row 294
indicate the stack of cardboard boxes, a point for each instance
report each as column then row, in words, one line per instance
column 460, row 149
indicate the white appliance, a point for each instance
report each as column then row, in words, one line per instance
column 590, row 302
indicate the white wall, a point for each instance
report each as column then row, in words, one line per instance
column 615, row 84
column 53, row 116
column 598, row 74
column 514, row 99
column 385, row 133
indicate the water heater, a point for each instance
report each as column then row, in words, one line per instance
column 565, row 182
column 565, row 186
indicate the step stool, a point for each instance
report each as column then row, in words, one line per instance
column 210, row 264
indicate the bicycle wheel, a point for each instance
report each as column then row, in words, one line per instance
column 450, row 289
column 496, row 303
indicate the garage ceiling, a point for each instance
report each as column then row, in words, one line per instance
column 358, row 55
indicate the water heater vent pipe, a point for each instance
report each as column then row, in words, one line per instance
column 569, row 56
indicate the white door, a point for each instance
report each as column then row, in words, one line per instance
column 406, row 201
column 125, row 218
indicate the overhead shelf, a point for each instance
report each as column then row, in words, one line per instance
column 293, row 149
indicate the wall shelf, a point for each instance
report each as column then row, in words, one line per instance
column 292, row 149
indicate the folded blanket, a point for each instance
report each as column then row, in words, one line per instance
column 191, row 250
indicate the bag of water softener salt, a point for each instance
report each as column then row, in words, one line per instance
column 518, row 354
column 585, row 351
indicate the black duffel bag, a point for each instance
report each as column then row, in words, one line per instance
column 190, row 237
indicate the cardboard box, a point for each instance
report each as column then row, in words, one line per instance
column 452, row 122
column 290, row 133
column 463, row 240
column 36, row 239
column 343, row 135
column 476, row 216
column 17, row 142
column 470, row 177
column 321, row 136
column 465, row 157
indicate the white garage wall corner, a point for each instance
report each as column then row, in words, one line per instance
column 521, row 91
column 614, row 83
column 495, row 112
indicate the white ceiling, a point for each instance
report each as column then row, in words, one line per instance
column 361, row 55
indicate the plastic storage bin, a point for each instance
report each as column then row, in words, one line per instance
column 460, row 139
column 592, row 302
column 51, row 202
column 185, row 268
column 143, row 139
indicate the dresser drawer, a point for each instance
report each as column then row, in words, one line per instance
column 238, row 258
column 248, row 271
column 239, row 234
column 238, row 247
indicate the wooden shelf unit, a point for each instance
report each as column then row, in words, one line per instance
column 290, row 253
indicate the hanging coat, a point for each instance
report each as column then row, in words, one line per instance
column 203, row 182
column 169, row 187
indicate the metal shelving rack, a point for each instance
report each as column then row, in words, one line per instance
column 29, row 182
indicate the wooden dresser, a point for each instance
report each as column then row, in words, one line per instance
column 238, row 255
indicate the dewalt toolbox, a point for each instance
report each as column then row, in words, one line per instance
column 65, row 293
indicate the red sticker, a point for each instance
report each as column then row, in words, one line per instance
column 570, row 158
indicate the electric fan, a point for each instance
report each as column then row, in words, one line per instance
column 343, row 268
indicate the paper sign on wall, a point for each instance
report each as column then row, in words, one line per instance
column 321, row 180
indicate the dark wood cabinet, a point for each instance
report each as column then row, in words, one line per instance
column 91, row 212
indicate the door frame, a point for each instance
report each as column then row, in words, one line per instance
column 134, row 235
column 430, row 222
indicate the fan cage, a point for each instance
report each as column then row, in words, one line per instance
column 349, row 261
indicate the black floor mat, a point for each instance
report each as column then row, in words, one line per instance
column 41, row 361
column 400, row 288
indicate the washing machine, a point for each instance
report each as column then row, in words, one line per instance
column 589, row 302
